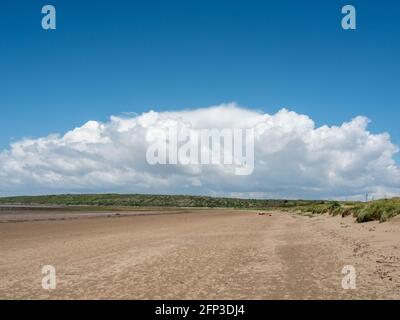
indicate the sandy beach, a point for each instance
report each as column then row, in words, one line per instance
column 196, row 254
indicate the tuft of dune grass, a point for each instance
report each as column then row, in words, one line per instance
column 379, row 210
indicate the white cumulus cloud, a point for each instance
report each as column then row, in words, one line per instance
column 293, row 158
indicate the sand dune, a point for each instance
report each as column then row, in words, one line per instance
column 198, row 254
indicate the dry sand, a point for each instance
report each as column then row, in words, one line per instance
column 198, row 254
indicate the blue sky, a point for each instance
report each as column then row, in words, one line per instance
column 110, row 57
column 115, row 57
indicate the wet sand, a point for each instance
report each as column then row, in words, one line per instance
column 198, row 254
column 42, row 213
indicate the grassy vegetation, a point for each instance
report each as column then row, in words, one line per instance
column 381, row 210
column 140, row 200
